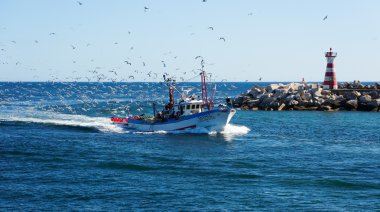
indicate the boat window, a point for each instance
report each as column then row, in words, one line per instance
column 197, row 106
column 192, row 106
column 188, row 107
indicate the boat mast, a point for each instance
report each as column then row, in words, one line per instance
column 204, row 88
column 170, row 83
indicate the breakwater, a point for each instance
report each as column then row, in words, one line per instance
column 302, row 96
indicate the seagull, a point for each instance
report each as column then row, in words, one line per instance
column 112, row 71
column 36, row 41
column 145, row 9
column 73, row 47
column 163, row 62
column 198, row 57
column 13, row 41
column 212, row 28
column 143, row 63
column 131, row 77
column 221, row 38
column 128, row 62
column 325, row 18
column 52, row 33
column 80, row 3
column 260, row 78
column 250, row 13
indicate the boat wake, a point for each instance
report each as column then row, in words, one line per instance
column 99, row 123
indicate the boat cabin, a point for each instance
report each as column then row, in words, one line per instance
column 191, row 107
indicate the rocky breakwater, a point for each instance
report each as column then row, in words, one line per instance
column 299, row 96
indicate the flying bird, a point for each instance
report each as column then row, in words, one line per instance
column 80, row 3
column 212, row 28
column 131, row 77
column 146, row 9
column 260, row 78
column 52, row 33
column 73, row 47
column 250, row 13
column 198, row 57
column 221, row 38
column 325, row 18
column 128, row 62
column 112, row 71
column 163, row 62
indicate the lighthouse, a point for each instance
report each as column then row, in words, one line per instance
column 330, row 76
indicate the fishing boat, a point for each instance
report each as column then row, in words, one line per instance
column 189, row 112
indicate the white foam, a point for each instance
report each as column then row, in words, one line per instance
column 100, row 123
column 235, row 129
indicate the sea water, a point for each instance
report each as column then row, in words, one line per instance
column 59, row 151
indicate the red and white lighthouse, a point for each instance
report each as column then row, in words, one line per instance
column 330, row 76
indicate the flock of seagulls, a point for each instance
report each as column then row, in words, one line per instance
column 98, row 74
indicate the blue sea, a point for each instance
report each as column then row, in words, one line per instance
column 59, row 151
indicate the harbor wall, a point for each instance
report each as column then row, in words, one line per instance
column 302, row 96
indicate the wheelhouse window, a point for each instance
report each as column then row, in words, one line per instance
column 187, row 107
column 197, row 106
column 192, row 106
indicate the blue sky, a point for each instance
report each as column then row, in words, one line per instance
column 275, row 40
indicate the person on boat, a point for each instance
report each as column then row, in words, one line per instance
column 228, row 101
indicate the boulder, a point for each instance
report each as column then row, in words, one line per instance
column 253, row 103
column 274, row 105
column 281, row 106
column 325, row 92
column 373, row 105
column 307, row 96
column 316, row 92
column 353, row 95
column 352, row 104
column 333, row 103
column 374, row 94
column 365, row 99
column 298, row 97
column 280, row 93
column 237, row 102
column 303, row 103
column 326, row 108
column 289, row 98
column 369, row 106
column 292, row 103
column 272, row 87
column 256, row 91
column 266, row 102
